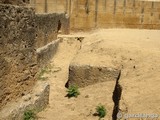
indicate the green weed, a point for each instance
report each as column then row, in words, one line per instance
column 73, row 91
column 101, row 111
column 29, row 115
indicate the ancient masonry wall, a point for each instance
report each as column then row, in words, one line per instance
column 47, row 28
column 88, row 14
column 50, row 6
column 115, row 14
column 27, row 41
column 18, row 62
column 15, row 2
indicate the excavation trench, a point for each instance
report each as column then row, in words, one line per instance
column 80, row 75
column 98, row 84
column 100, row 52
column 83, row 75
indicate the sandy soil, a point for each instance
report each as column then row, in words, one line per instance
column 135, row 52
column 138, row 54
column 81, row 108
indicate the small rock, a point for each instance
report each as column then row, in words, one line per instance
column 27, row 97
column 37, row 94
column 87, row 96
column 56, row 69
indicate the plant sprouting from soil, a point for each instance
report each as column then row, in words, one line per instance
column 101, row 111
column 72, row 91
column 42, row 72
column 29, row 115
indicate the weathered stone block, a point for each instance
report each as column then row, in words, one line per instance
column 46, row 53
column 84, row 75
column 36, row 101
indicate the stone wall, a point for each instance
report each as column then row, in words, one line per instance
column 27, row 42
column 48, row 26
column 90, row 14
column 50, row 6
column 18, row 61
column 15, row 2
column 115, row 14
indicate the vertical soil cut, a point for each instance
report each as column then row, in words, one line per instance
column 116, row 98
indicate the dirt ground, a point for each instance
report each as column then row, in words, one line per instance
column 135, row 52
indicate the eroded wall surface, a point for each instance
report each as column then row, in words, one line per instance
column 22, row 34
column 18, row 62
column 15, row 2
column 50, row 6
column 115, row 13
column 48, row 26
column 88, row 14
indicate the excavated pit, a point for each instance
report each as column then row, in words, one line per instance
column 97, row 67
column 83, row 73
